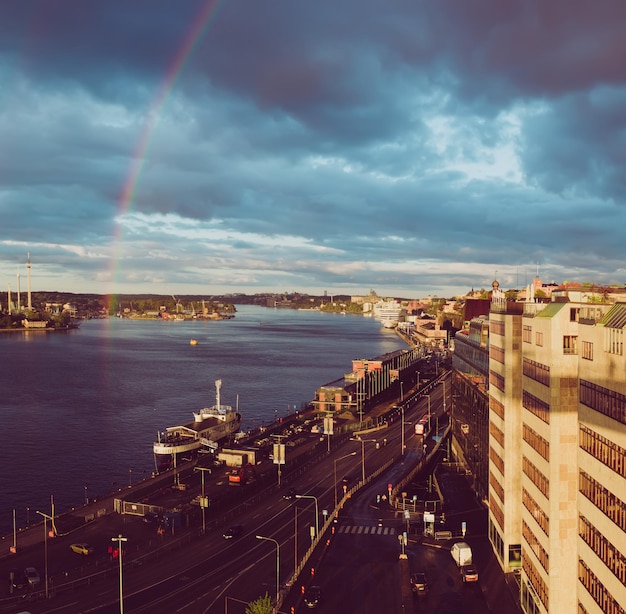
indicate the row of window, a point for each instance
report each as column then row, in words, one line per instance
column 537, row 513
column 605, row 450
column 496, row 433
column 607, row 502
column 535, row 579
column 536, row 477
column 496, row 353
column 537, row 371
column 496, row 459
column 597, row 590
column 606, row 551
column 535, row 546
column 496, row 540
column 496, row 380
column 496, row 327
column 536, row 406
column 496, row 486
column 496, row 407
column 608, row 402
column 536, row 442
column 496, row 512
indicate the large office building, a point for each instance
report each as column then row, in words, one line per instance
column 556, row 450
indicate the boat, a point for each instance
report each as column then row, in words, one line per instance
column 193, row 342
column 388, row 313
column 210, row 426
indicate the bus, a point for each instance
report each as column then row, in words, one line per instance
column 422, row 428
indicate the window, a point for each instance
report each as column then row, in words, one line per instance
column 527, row 333
column 603, row 400
column 536, row 441
column 535, row 370
column 536, row 477
column 536, row 406
column 587, row 350
column 614, row 340
column 570, row 344
column 539, row 338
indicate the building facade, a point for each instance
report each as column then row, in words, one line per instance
column 554, row 378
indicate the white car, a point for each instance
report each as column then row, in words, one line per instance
column 31, row 575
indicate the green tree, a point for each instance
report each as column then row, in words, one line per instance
column 262, row 605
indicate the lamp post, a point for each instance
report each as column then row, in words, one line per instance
column 45, row 548
column 203, row 501
column 335, row 472
column 363, row 456
column 271, row 539
column 402, row 431
column 317, row 528
column 428, row 397
column 119, row 539
column 401, row 392
column 444, row 396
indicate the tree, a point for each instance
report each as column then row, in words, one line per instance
column 262, row 605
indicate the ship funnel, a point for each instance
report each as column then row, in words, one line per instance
column 218, row 385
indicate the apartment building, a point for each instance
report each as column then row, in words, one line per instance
column 557, row 451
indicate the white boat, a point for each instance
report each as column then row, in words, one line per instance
column 388, row 312
column 210, row 426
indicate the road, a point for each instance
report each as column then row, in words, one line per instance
column 187, row 571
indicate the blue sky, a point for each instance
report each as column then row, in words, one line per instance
column 413, row 147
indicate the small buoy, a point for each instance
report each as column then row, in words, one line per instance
column 194, row 342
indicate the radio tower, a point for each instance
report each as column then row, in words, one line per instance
column 30, row 305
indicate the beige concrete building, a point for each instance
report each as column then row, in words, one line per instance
column 557, row 452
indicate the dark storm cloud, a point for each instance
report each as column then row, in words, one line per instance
column 417, row 146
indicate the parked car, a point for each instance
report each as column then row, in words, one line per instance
column 82, row 548
column 312, row 596
column 469, row 573
column 232, row 532
column 31, row 575
column 419, row 583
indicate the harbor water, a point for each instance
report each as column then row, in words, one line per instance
column 81, row 409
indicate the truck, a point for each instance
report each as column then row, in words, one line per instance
column 462, row 554
column 241, row 475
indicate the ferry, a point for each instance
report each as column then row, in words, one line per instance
column 388, row 312
column 183, row 442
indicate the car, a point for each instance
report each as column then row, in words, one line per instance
column 31, row 575
column 312, row 596
column 151, row 517
column 469, row 573
column 290, row 494
column 419, row 583
column 232, row 532
column 82, row 548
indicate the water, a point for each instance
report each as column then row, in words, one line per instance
column 80, row 410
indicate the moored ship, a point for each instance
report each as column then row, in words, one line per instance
column 210, row 426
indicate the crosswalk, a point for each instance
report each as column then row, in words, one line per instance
column 359, row 529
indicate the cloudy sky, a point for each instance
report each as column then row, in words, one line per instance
column 410, row 146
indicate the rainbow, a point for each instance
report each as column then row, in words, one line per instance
column 200, row 24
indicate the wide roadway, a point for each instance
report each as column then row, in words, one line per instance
column 358, row 569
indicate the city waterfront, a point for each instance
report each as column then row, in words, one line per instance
column 80, row 410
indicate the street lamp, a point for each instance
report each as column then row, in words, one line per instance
column 271, row 539
column 363, row 456
column 317, row 528
column 401, row 392
column 119, row 539
column 335, row 472
column 444, row 396
column 203, row 501
column 45, row 547
column 428, row 397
